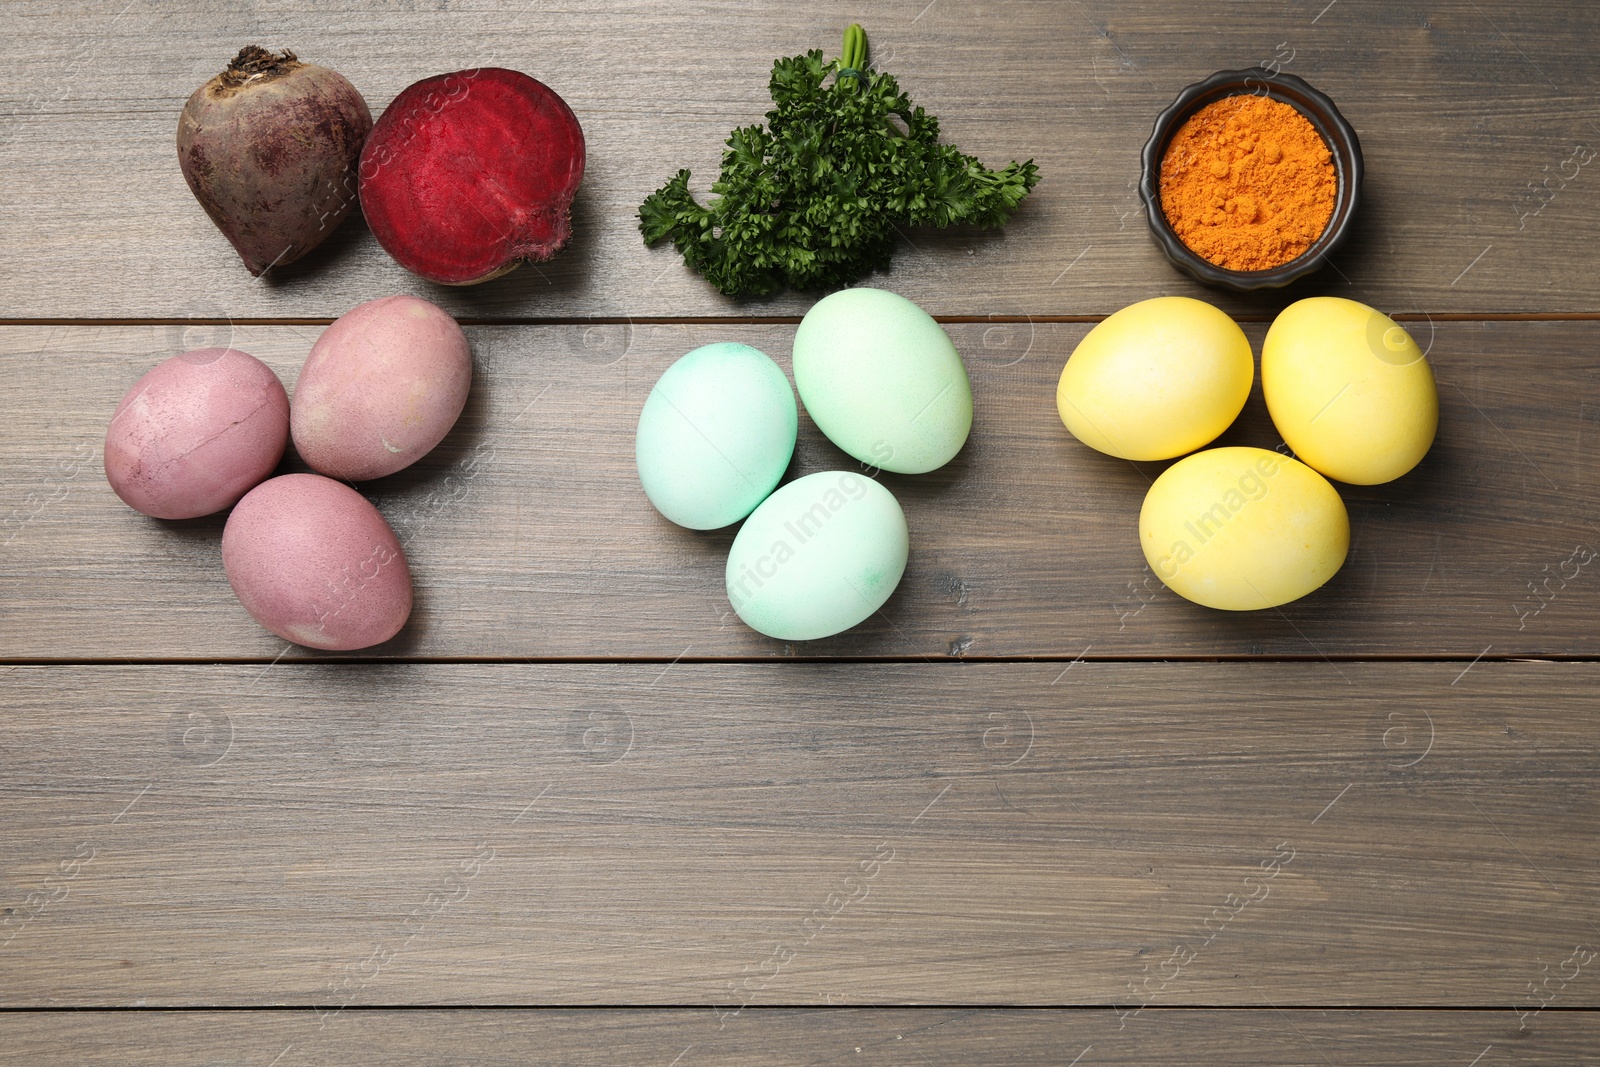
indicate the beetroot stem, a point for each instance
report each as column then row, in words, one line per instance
column 253, row 61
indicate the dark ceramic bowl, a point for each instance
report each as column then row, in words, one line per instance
column 1342, row 144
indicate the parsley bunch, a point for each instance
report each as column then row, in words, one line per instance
column 812, row 199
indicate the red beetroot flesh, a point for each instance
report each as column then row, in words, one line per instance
column 468, row 173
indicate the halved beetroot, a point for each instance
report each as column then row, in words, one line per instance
column 467, row 174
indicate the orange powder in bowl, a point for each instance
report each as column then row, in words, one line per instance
column 1247, row 183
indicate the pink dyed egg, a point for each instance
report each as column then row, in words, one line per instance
column 196, row 433
column 312, row 561
column 382, row 387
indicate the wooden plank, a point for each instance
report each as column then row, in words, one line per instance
column 1001, row 1038
column 529, row 536
column 1478, row 123
column 750, row 835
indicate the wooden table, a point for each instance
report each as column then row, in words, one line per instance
column 1037, row 810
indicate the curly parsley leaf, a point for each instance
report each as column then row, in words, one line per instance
column 813, row 199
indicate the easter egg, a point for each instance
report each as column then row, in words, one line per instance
column 196, row 433
column 715, row 436
column 1157, row 379
column 818, row 556
column 382, row 386
column 1349, row 390
column 883, row 380
column 312, row 561
column 1243, row 528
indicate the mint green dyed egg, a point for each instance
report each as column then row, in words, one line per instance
column 883, row 380
column 818, row 556
column 715, row 436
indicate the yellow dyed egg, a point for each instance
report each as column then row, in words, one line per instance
column 1158, row 379
column 1349, row 390
column 1243, row 528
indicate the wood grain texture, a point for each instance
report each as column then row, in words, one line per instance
column 1477, row 119
column 529, row 536
column 749, row 835
column 681, row 862
column 998, row 1038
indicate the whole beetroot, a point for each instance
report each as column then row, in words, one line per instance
column 270, row 148
column 468, row 174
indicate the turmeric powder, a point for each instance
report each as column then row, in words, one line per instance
column 1247, row 183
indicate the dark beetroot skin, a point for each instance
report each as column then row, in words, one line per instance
column 467, row 174
column 270, row 147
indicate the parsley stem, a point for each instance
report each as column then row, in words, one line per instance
column 853, row 54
